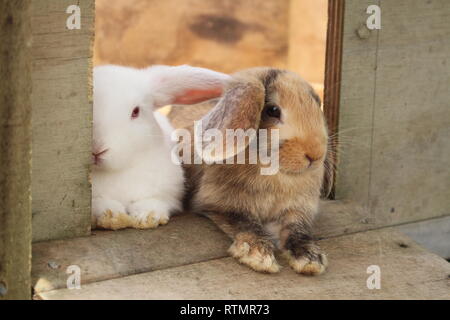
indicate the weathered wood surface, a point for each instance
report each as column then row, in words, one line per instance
column 433, row 234
column 410, row 177
column 407, row 272
column 356, row 104
column 111, row 254
column 394, row 111
column 15, row 150
column 332, row 81
column 62, row 116
column 185, row 240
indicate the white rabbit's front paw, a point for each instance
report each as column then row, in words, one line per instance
column 109, row 214
column 148, row 213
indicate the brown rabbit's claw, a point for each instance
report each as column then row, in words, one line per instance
column 257, row 254
column 312, row 264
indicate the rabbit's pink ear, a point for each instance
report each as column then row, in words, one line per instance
column 185, row 84
column 197, row 95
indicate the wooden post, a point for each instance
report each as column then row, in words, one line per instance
column 62, row 119
column 394, row 110
column 15, row 150
column 333, row 61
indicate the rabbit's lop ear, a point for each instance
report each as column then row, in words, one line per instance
column 239, row 109
column 185, row 84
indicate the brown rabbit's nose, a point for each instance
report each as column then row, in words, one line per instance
column 311, row 158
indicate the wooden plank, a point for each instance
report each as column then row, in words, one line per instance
column 393, row 135
column 337, row 218
column 111, row 254
column 333, row 63
column 407, row 272
column 15, row 150
column 410, row 178
column 221, row 35
column 62, row 116
column 433, row 234
column 356, row 103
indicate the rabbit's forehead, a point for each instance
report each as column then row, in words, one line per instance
column 118, row 97
column 118, row 88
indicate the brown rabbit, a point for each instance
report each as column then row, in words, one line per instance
column 267, row 211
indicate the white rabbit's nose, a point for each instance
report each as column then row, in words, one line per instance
column 96, row 156
column 99, row 153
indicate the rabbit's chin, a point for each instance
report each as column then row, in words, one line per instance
column 300, row 169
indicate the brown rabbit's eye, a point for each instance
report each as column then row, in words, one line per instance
column 135, row 113
column 273, row 111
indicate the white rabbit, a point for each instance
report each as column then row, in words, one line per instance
column 134, row 181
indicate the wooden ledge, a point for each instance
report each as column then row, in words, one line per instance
column 186, row 239
column 407, row 272
column 111, row 254
column 194, row 245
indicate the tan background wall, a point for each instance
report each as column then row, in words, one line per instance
column 225, row 35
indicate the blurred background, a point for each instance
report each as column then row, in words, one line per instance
column 224, row 35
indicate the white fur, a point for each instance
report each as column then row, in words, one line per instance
column 136, row 176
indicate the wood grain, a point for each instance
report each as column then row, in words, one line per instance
column 15, row 150
column 333, row 61
column 186, row 239
column 410, row 177
column 356, row 104
column 433, row 234
column 111, row 254
column 394, row 111
column 62, row 119
column 407, row 272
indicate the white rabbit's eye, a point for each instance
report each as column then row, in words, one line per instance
column 135, row 113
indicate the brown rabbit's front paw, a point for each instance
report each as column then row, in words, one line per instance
column 312, row 263
column 255, row 253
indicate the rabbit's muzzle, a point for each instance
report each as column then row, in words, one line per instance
column 296, row 155
column 97, row 156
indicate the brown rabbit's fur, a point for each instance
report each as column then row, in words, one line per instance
column 267, row 210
